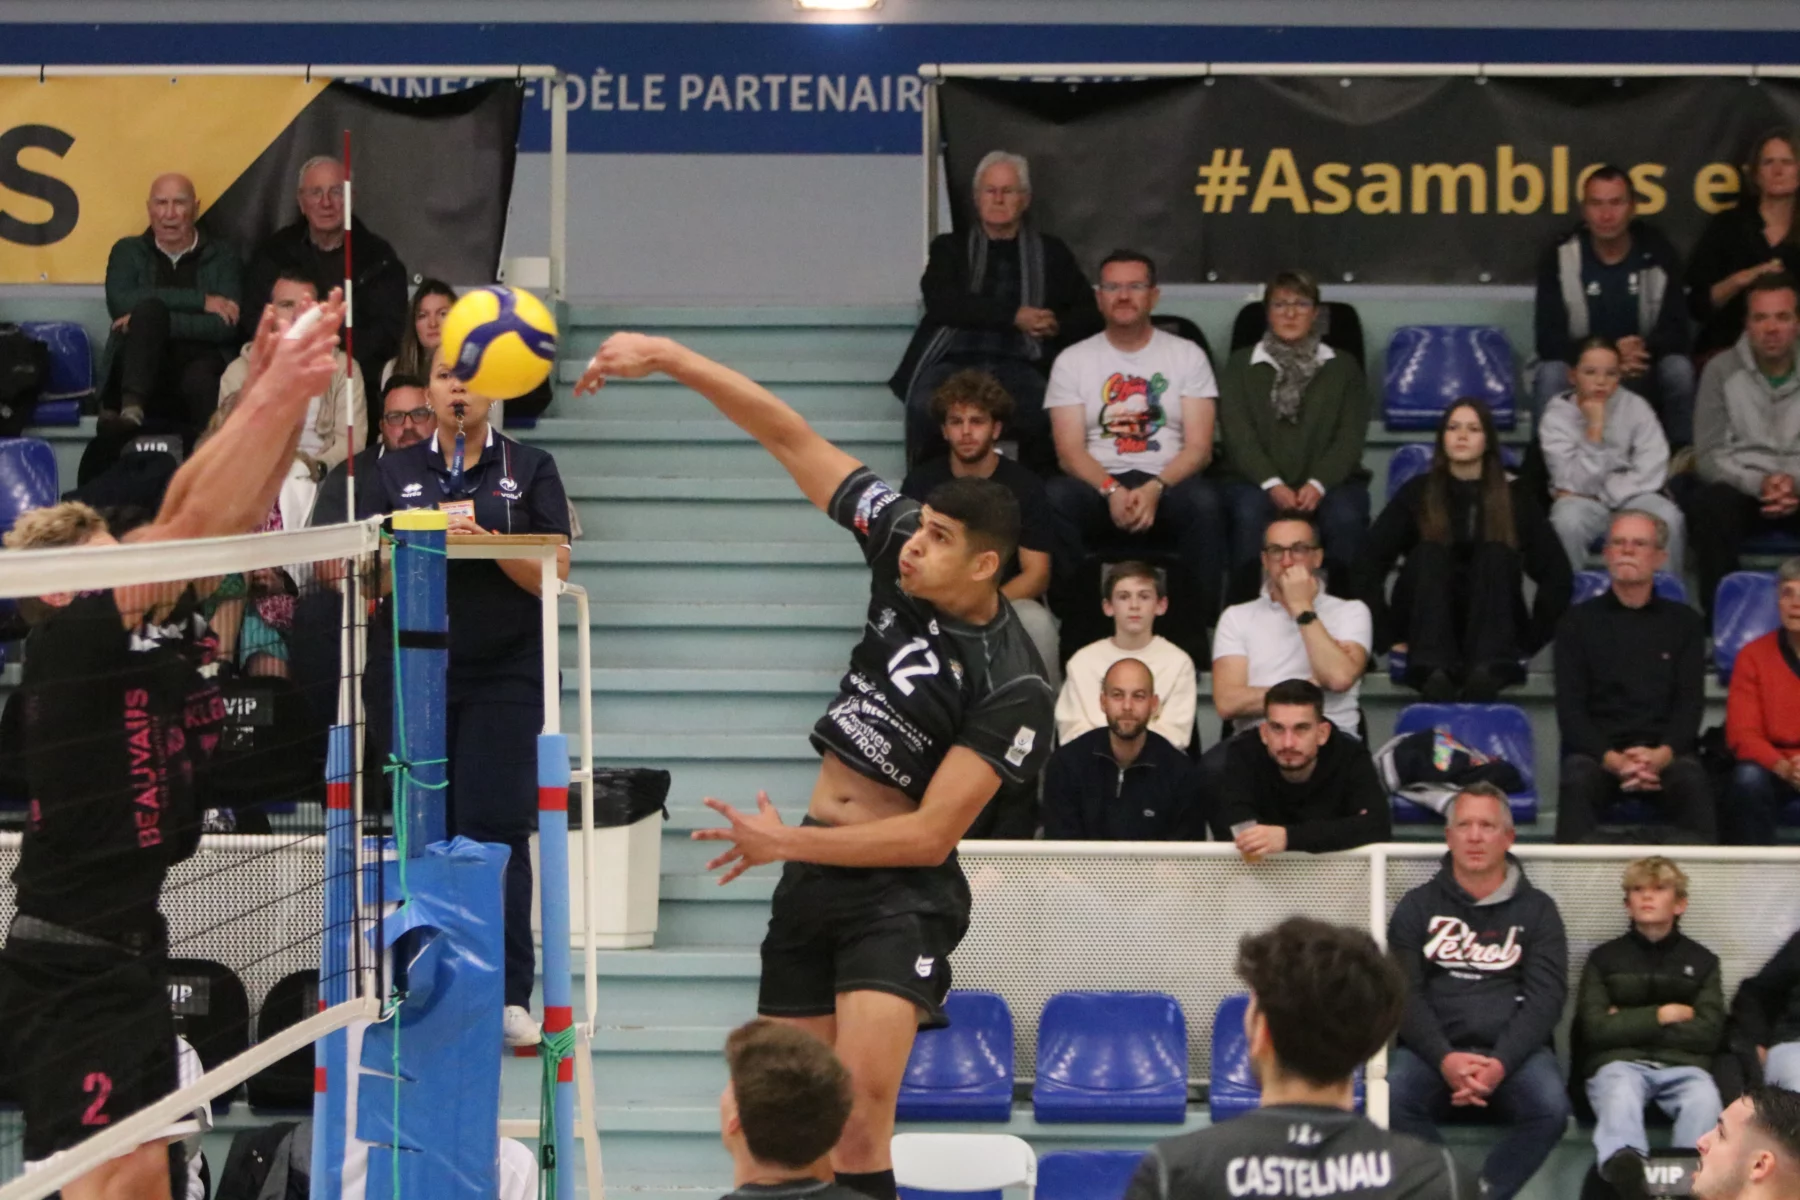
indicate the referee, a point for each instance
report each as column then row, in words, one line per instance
column 1323, row 998
column 121, row 709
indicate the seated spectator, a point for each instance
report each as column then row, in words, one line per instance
column 1005, row 297
column 1747, row 434
column 1468, row 534
column 784, row 1108
column 1604, row 451
column 1765, row 1014
column 1649, row 1016
column 1630, row 692
column 325, row 436
column 172, row 293
column 1132, row 594
column 1755, row 237
column 314, row 247
column 1124, row 782
column 1291, row 785
column 431, row 302
column 406, row 418
column 1293, row 630
column 1486, row 961
column 1754, row 1152
column 1617, row 278
column 1132, row 409
column 1293, row 414
column 973, row 411
column 1762, row 722
column 1323, row 1000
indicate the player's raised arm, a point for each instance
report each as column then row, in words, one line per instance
column 816, row 465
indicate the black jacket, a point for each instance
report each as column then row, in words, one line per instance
column 1340, row 806
column 1766, row 1010
column 1652, row 257
column 1483, row 975
column 1731, row 241
column 1087, row 797
column 949, row 301
column 382, row 306
column 1629, row 676
column 1623, row 984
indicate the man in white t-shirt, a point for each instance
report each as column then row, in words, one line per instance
column 1132, row 410
column 1133, row 596
column 1292, row 630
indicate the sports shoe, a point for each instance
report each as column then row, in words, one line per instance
column 1625, row 1171
column 520, row 1029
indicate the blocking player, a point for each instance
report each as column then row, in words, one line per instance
column 1323, row 998
column 119, row 711
column 945, row 699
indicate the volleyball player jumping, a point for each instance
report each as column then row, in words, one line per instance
column 944, row 701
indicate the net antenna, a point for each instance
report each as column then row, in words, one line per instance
column 350, row 347
column 267, row 706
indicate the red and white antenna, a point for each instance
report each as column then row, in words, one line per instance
column 349, row 352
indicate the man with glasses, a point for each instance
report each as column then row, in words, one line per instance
column 314, row 246
column 1630, row 674
column 1292, row 417
column 1132, row 409
column 406, row 418
column 1292, row 630
column 1003, row 297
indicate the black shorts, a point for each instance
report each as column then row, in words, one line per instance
column 86, row 1037
column 852, row 929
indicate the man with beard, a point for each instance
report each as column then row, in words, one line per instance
column 1123, row 782
column 1754, row 1151
column 973, row 412
column 1297, row 786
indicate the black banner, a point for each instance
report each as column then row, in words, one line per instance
column 433, row 176
column 1367, row 180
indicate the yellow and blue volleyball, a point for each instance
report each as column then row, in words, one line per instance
column 500, row 341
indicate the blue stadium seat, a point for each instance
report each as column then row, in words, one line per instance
column 28, row 478
column 965, row 1072
column 71, row 371
column 1500, row 731
column 1086, row 1174
column 1589, row 584
column 1743, row 610
column 1232, row 1089
column 1414, row 458
column 1430, row 367
column 1111, row 1056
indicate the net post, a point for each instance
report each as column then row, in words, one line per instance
column 332, row 1118
column 422, row 630
column 553, row 892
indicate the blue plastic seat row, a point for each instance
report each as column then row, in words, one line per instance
column 1065, row 1175
column 1101, row 1056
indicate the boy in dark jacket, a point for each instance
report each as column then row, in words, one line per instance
column 1486, row 962
column 1767, row 1013
column 1649, row 1015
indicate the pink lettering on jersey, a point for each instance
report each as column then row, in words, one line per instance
column 1453, row 944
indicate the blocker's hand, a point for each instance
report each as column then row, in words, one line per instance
column 621, row 356
column 753, row 838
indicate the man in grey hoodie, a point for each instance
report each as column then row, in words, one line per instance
column 1486, row 962
column 1747, row 434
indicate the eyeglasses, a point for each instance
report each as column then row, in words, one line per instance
column 316, row 194
column 1113, row 289
column 1290, row 306
column 1297, row 550
column 1002, row 193
column 417, row 416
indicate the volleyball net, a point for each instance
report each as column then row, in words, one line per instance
column 182, row 733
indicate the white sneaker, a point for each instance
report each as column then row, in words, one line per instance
column 520, row 1029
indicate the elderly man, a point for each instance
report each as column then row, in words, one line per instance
column 1003, row 297
column 172, row 293
column 314, row 246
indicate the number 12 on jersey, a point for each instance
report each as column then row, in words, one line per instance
column 927, row 664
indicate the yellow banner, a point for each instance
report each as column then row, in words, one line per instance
column 77, row 157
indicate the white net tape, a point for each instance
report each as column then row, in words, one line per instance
column 1049, row 921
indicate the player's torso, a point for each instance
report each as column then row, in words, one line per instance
column 1308, row 1151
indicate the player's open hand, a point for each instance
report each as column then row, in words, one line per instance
column 754, row 838
column 621, row 356
column 299, row 368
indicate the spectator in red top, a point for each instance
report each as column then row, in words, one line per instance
column 1762, row 722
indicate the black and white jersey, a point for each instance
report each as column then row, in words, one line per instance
column 1299, row 1150
column 920, row 682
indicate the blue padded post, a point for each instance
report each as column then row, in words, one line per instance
column 422, row 621
column 1111, row 1056
column 964, row 1072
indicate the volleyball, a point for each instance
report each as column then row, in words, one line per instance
column 501, row 341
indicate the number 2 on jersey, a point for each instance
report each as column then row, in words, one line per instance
column 902, row 676
column 98, row 1085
